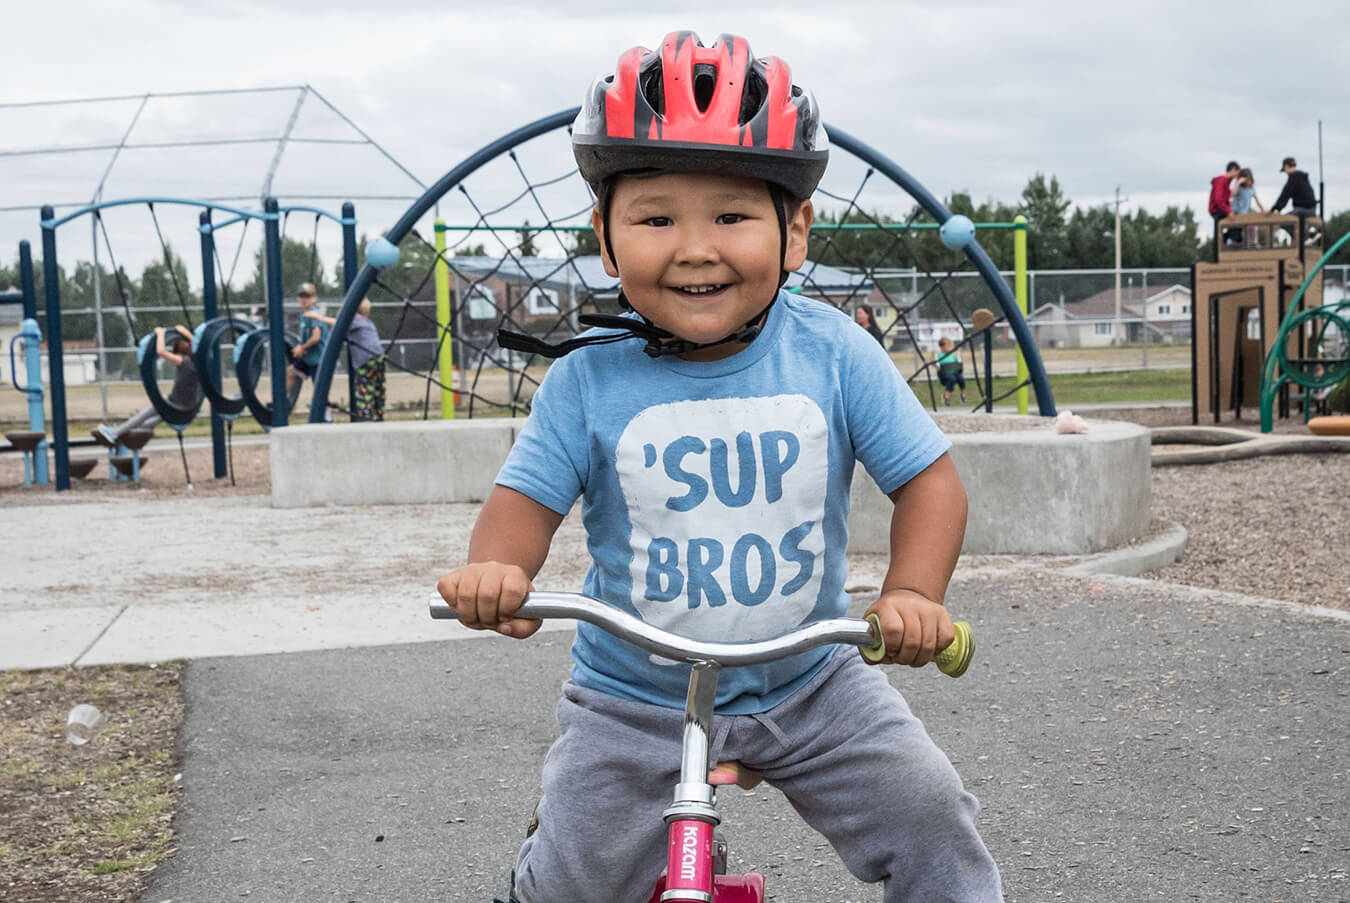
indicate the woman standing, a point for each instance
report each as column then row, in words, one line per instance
column 863, row 316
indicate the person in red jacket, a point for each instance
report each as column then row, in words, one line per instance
column 1221, row 197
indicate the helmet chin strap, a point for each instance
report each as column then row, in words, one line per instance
column 659, row 342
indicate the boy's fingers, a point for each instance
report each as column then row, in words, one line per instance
column 892, row 631
column 489, row 598
column 466, row 598
column 946, row 632
column 515, row 586
column 926, row 650
column 519, row 628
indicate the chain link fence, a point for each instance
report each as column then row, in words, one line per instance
column 1079, row 324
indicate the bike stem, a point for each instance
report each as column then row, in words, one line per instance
column 693, row 814
column 694, row 795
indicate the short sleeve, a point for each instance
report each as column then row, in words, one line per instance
column 549, row 460
column 893, row 436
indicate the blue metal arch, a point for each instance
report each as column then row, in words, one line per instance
column 563, row 118
column 53, row 222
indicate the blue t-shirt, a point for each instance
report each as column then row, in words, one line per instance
column 1242, row 200
column 307, row 326
column 715, row 495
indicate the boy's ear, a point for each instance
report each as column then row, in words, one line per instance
column 798, row 231
column 598, row 224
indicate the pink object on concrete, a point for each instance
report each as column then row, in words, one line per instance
column 1069, row 422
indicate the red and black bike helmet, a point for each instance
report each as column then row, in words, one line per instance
column 690, row 108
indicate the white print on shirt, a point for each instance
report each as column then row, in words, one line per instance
column 726, row 499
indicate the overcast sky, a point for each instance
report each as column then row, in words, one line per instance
column 1152, row 96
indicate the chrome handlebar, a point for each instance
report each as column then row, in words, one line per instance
column 845, row 631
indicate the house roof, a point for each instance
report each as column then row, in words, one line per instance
column 1132, row 297
column 588, row 274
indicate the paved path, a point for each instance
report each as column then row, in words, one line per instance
column 1129, row 740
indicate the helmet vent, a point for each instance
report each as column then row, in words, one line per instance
column 705, row 83
column 650, row 84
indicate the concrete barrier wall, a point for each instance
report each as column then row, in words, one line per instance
column 1031, row 491
column 394, row 463
column 1035, row 492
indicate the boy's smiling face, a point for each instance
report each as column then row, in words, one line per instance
column 698, row 252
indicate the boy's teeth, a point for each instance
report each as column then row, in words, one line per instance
column 700, row 289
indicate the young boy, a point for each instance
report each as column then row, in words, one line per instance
column 313, row 333
column 714, row 464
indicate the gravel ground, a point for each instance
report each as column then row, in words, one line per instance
column 1272, row 526
column 161, row 478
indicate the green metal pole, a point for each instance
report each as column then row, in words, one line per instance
column 445, row 340
column 1020, row 292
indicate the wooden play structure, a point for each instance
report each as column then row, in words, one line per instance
column 1239, row 303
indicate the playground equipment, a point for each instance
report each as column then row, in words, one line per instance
column 207, row 337
column 1220, row 443
column 1240, row 301
column 1311, row 348
column 1334, row 425
column 32, row 442
column 546, row 297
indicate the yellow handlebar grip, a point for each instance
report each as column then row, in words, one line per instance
column 875, row 653
column 951, row 661
column 954, row 660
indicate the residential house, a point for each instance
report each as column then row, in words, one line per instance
column 1163, row 313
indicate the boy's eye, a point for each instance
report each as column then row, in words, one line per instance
column 730, row 219
column 656, row 221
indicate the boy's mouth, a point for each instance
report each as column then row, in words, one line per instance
column 701, row 291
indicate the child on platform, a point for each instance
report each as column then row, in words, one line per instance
column 713, row 459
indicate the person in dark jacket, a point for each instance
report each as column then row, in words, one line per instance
column 1297, row 190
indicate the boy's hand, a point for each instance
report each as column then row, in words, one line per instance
column 915, row 627
column 487, row 594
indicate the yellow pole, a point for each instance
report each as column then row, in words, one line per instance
column 447, row 355
column 1020, row 291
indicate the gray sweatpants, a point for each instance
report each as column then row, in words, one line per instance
column 845, row 749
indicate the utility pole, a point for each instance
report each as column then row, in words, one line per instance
column 1117, row 330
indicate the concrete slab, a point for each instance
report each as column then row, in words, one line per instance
column 150, row 633
column 34, row 638
column 232, row 576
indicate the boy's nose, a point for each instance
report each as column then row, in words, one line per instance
column 696, row 246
